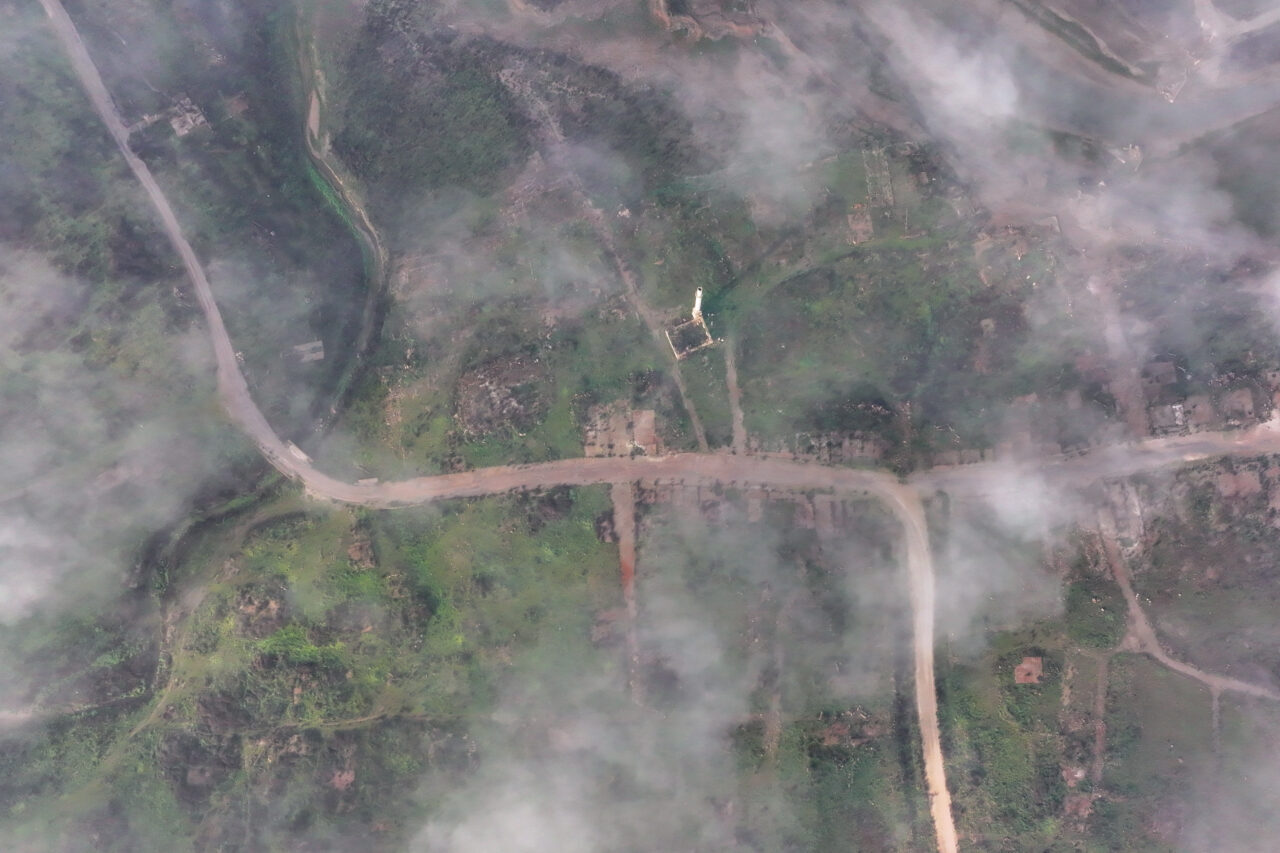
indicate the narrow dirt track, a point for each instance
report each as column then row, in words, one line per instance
column 735, row 399
column 1114, row 462
column 1098, row 764
column 1149, row 644
column 623, row 496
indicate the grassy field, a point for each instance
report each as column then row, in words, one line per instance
column 1158, row 725
column 1024, row 762
column 1209, row 575
column 1095, row 611
column 492, row 233
column 817, row 796
column 1238, row 794
column 405, row 417
column 1002, row 743
column 903, row 328
column 1159, row 741
column 328, row 643
column 704, row 375
column 290, row 675
column 335, row 675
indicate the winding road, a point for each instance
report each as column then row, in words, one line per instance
column 903, row 499
column 700, row 468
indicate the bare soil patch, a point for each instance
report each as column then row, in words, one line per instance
column 504, row 394
column 261, row 610
column 1029, row 671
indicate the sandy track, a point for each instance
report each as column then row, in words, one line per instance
column 1112, row 463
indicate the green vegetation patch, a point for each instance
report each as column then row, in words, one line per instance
column 435, row 118
column 1235, row 804
column 1096, row 611
column 325, row 680
column 836, row 782
column 1159, row 748
column 907, row 322
column 515, row 392
column 1001, row 741
column 760, row 610
column 1159, row 729
column 1209, row 577
column 705, row 378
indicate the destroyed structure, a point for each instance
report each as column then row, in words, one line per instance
column 691, row 335
column 309, row 352
column 185, row 117
column 618, row 430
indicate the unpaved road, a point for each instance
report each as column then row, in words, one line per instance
column 700, row 469
column 689, row 468
column 1148, row 643
column 1113, row 462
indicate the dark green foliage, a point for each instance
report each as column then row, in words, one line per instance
column 1217, row 329
column 47, row 758
column 433, row 117
column 1117, row 826
column 908, row 322
column 57, row 168
column 291, row 645
column 1001, row 741
column 289, row 270
column 1096, row 611
column 860, row 407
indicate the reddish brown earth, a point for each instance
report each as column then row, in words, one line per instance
column 624, row 527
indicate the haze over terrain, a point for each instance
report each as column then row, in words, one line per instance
column 369, row 482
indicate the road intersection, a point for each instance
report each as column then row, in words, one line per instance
column 903, row 498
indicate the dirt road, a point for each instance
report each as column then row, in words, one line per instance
column 702, row 469
column 1148, row 643
column 1112, row 462
column 699, row 468
column 231, row 384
